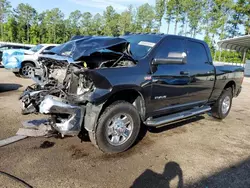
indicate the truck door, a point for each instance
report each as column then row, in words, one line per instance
column 201, row 72
column 170, row 80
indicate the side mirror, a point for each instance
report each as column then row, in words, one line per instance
column 173, row 58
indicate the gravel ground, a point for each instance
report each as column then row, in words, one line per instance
column 199, row 152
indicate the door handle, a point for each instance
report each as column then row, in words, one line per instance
column 184, row 73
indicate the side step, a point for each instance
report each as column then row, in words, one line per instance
column 174, row 117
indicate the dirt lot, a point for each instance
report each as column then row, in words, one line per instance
column 200, row 152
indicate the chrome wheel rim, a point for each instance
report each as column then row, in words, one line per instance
column 26, row 69
column 119, row 129
column 226, row 104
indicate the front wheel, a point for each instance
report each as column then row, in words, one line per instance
column 223, row 105
column 117, row 128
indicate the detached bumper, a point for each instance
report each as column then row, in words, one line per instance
column 69, row 117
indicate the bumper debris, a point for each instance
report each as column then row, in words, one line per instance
column 69, row 117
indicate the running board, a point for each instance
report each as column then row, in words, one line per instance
column 177, row 116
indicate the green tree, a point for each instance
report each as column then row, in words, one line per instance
column 169, row 14
column 11, row 28
column 224, row 8
column 4, row 12
column 54, row 26
column 25, row 15
column 194, row 15
column 160, row 8
column 217, row 14
column 236, row 19
column 86, row 23
column 111, row 20
column 126, row 21
column 74, row 22
column 97, row 24
column 145, row 18
column 243, row 7
column 34, row 31
column 176, row 9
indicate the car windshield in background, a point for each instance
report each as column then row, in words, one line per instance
column 141, row 45
column 36, row 48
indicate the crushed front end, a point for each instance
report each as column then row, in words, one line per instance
column 68, row 90
column 55, row 93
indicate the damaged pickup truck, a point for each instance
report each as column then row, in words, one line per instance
column 111, row 86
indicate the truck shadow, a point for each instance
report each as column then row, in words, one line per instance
column 150, row 178
column 9, row 87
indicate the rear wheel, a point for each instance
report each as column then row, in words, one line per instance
column 223, row 105
column 117, row 128
column 26, row 68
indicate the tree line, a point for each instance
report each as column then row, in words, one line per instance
column 214, row 19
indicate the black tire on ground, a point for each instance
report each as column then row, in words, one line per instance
column 101, row 138
column 25, row 68
column 223, row 105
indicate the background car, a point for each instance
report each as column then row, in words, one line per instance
column 13, row 46
column 20, row 61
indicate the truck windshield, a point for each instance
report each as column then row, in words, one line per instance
column 36, row 48
column 141, row 45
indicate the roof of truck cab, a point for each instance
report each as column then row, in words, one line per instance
column 162, row 35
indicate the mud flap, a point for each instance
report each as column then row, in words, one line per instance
column 91, row 116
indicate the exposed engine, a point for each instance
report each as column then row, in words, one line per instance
column 62, row 89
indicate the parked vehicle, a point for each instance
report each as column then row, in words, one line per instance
column 115, row 85
column 20, row 62
column 12, row 46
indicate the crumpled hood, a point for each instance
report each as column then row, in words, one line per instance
column 86, row 46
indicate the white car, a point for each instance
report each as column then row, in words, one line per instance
column 20, row 61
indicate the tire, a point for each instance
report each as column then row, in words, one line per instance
column 25, row 69
column 117, row 128
column 223, row 105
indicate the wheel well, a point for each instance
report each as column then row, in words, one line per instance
column 232, row 85
column 132, row 96
column 24, row 62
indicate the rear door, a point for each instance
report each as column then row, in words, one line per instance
column 201, row 72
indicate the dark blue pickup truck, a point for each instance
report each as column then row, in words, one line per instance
column 117, row 85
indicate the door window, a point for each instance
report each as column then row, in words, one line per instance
column 170, row 48
column 196, row 53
